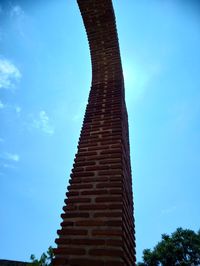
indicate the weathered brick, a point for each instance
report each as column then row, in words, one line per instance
column 59, row 261
column 88, row 242
column 108, row 199
column 85, row 262
column 107, row 214
column 67, row 223
column 109, row 185
column 94, row 192
column 80, row 186
column 90, row 223
column 91, row 207
column 114, row 242
column 114, row 263
column 107, row 233
column 70, row 251
column 106, row 252
column 65, row 231
column 74, row 215
column 77, row 200
column 98, row 225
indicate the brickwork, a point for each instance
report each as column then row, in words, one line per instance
column 98, row 224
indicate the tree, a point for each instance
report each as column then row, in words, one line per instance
column 182, row 248
column 45, row 259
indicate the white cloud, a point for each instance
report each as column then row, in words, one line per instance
column 43, row 123
column 2, row 105
column 6, row 165
column 12, row 157
column 16, row 11
column 169, row 210
column 18, row 16
column 9, row 74
column 18, row 109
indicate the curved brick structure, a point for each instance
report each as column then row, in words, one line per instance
column 98, row 224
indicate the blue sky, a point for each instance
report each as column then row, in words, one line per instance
column 45, row 76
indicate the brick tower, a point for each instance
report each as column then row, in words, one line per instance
column 98, row 224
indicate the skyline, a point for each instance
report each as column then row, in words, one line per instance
column 45, row 76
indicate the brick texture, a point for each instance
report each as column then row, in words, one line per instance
column 98, row 224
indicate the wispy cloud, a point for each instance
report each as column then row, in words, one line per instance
column 9, row 74
column 18, row 110
column 12, row 157
column 42, row 122
column 17, row 14
column 9, row 160
column 169, row 210
column 16, row 11
column 10, row 166
column 2, row 105
column 11, row 108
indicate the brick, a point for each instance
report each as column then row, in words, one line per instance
column 82, row 174
column 98, row 225
column 107, row 214
column 115, row 191
column 74, row 215
column 81, row 186
column 115, row 206
column 64, row 231
column 109, row 161
column 106, row 252
column 108, row 199
column 111, row 172
column 90, row 207
column 114, row 242
column 90, row 223
column 69, row 207
column 85, row 262
column 114, row 263
column 114, row 223
column 94, row 192
column 107, row 233
column 59, row 261
column 72, row 193
column 96, row 167
column 63, row 241
column 67, row 223
column 70, row 251
column 109, row 185
column 88, row 242
column 77, row 200
column 116, row 178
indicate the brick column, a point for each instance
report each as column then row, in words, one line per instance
column 98, row 223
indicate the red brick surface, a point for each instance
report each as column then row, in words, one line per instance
column 98, row 224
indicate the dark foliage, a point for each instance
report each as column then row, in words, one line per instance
column 182, row 248
column 45, row 259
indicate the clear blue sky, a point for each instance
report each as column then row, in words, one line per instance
column 45, row 76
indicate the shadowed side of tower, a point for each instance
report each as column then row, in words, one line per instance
column 98, row 224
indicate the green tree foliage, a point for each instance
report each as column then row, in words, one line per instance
column 45, row 259
column 182, row 248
